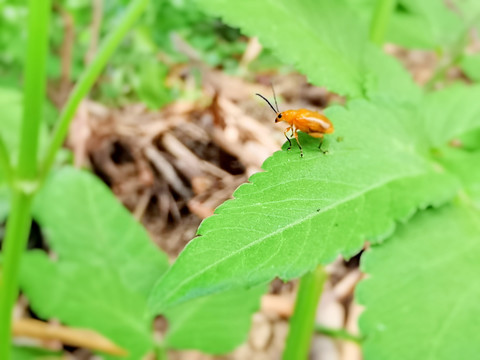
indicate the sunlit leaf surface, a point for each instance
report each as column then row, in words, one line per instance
column 422, row 292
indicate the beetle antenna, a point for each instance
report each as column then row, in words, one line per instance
column 268, row 102
column 275, row 97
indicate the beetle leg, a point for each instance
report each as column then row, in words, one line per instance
column 319, row 136
column 285, row 133
column 298, row 142
column 320, row 146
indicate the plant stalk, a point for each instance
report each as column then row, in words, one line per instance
column 160, row 352
column 338, row 334
column 454, row 57
column 5, row 166
column 34, row 88
column 24, row 179
column 380, row 20
column 87, row 80
column 18, row 227
column 303, row 319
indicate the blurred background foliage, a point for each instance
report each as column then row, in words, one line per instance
column 149, row 64
column 140, row 69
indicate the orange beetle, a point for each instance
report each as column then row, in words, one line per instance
column 307, row 121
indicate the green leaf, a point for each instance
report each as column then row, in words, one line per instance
column 324, row 40
column 422, row 294
column 304, row 211
column 465, row 166
column 90, row 296
column 411, row 31
column 151, row 85
column 425, row 24
column 213, row 324
column 34, row 353
column 107, row 263
column 4, row 201
column 11, row 102
column 86, row 224
column 470, row 64
column 451, row 112
column 468, row 10
column 469, row 141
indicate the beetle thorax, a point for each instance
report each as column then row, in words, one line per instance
column 288, row 116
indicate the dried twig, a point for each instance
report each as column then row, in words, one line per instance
column 193, row 164
column 254, row 48
column 66, row 49
column 167, row 171
column 66, row 335
column 97, row 11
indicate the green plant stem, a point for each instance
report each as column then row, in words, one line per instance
column 23, row 181
column 441, row 72
column 5, row 166
column 35, row 84
column 87, row 80
column 338, row 334
column 160, row 352
column 455, row 56
column 303, row 319
column 380, row 20
column 18, row 227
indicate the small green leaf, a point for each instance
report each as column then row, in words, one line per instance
column 151, row 85
column 214, row 324
column 411, row 31
column 4, row 201
column 422, row 294
column 87, row 296
column 468, row 10
column 426, row 24
column 450, row 112
column 86, row 224
column 11, row 103
column 34, row 353
column 304, row 211
column 324, row 40
column 470, row 64
column 465, row 166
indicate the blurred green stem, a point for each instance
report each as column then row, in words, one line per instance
column 160, row 352
column 18, row 227
column 442, row 71
column 451, row 57
column 5, row 166
column 303, row 319
column 338, row 334
column 87, row 80
column 24, row 179
column 380, row 20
